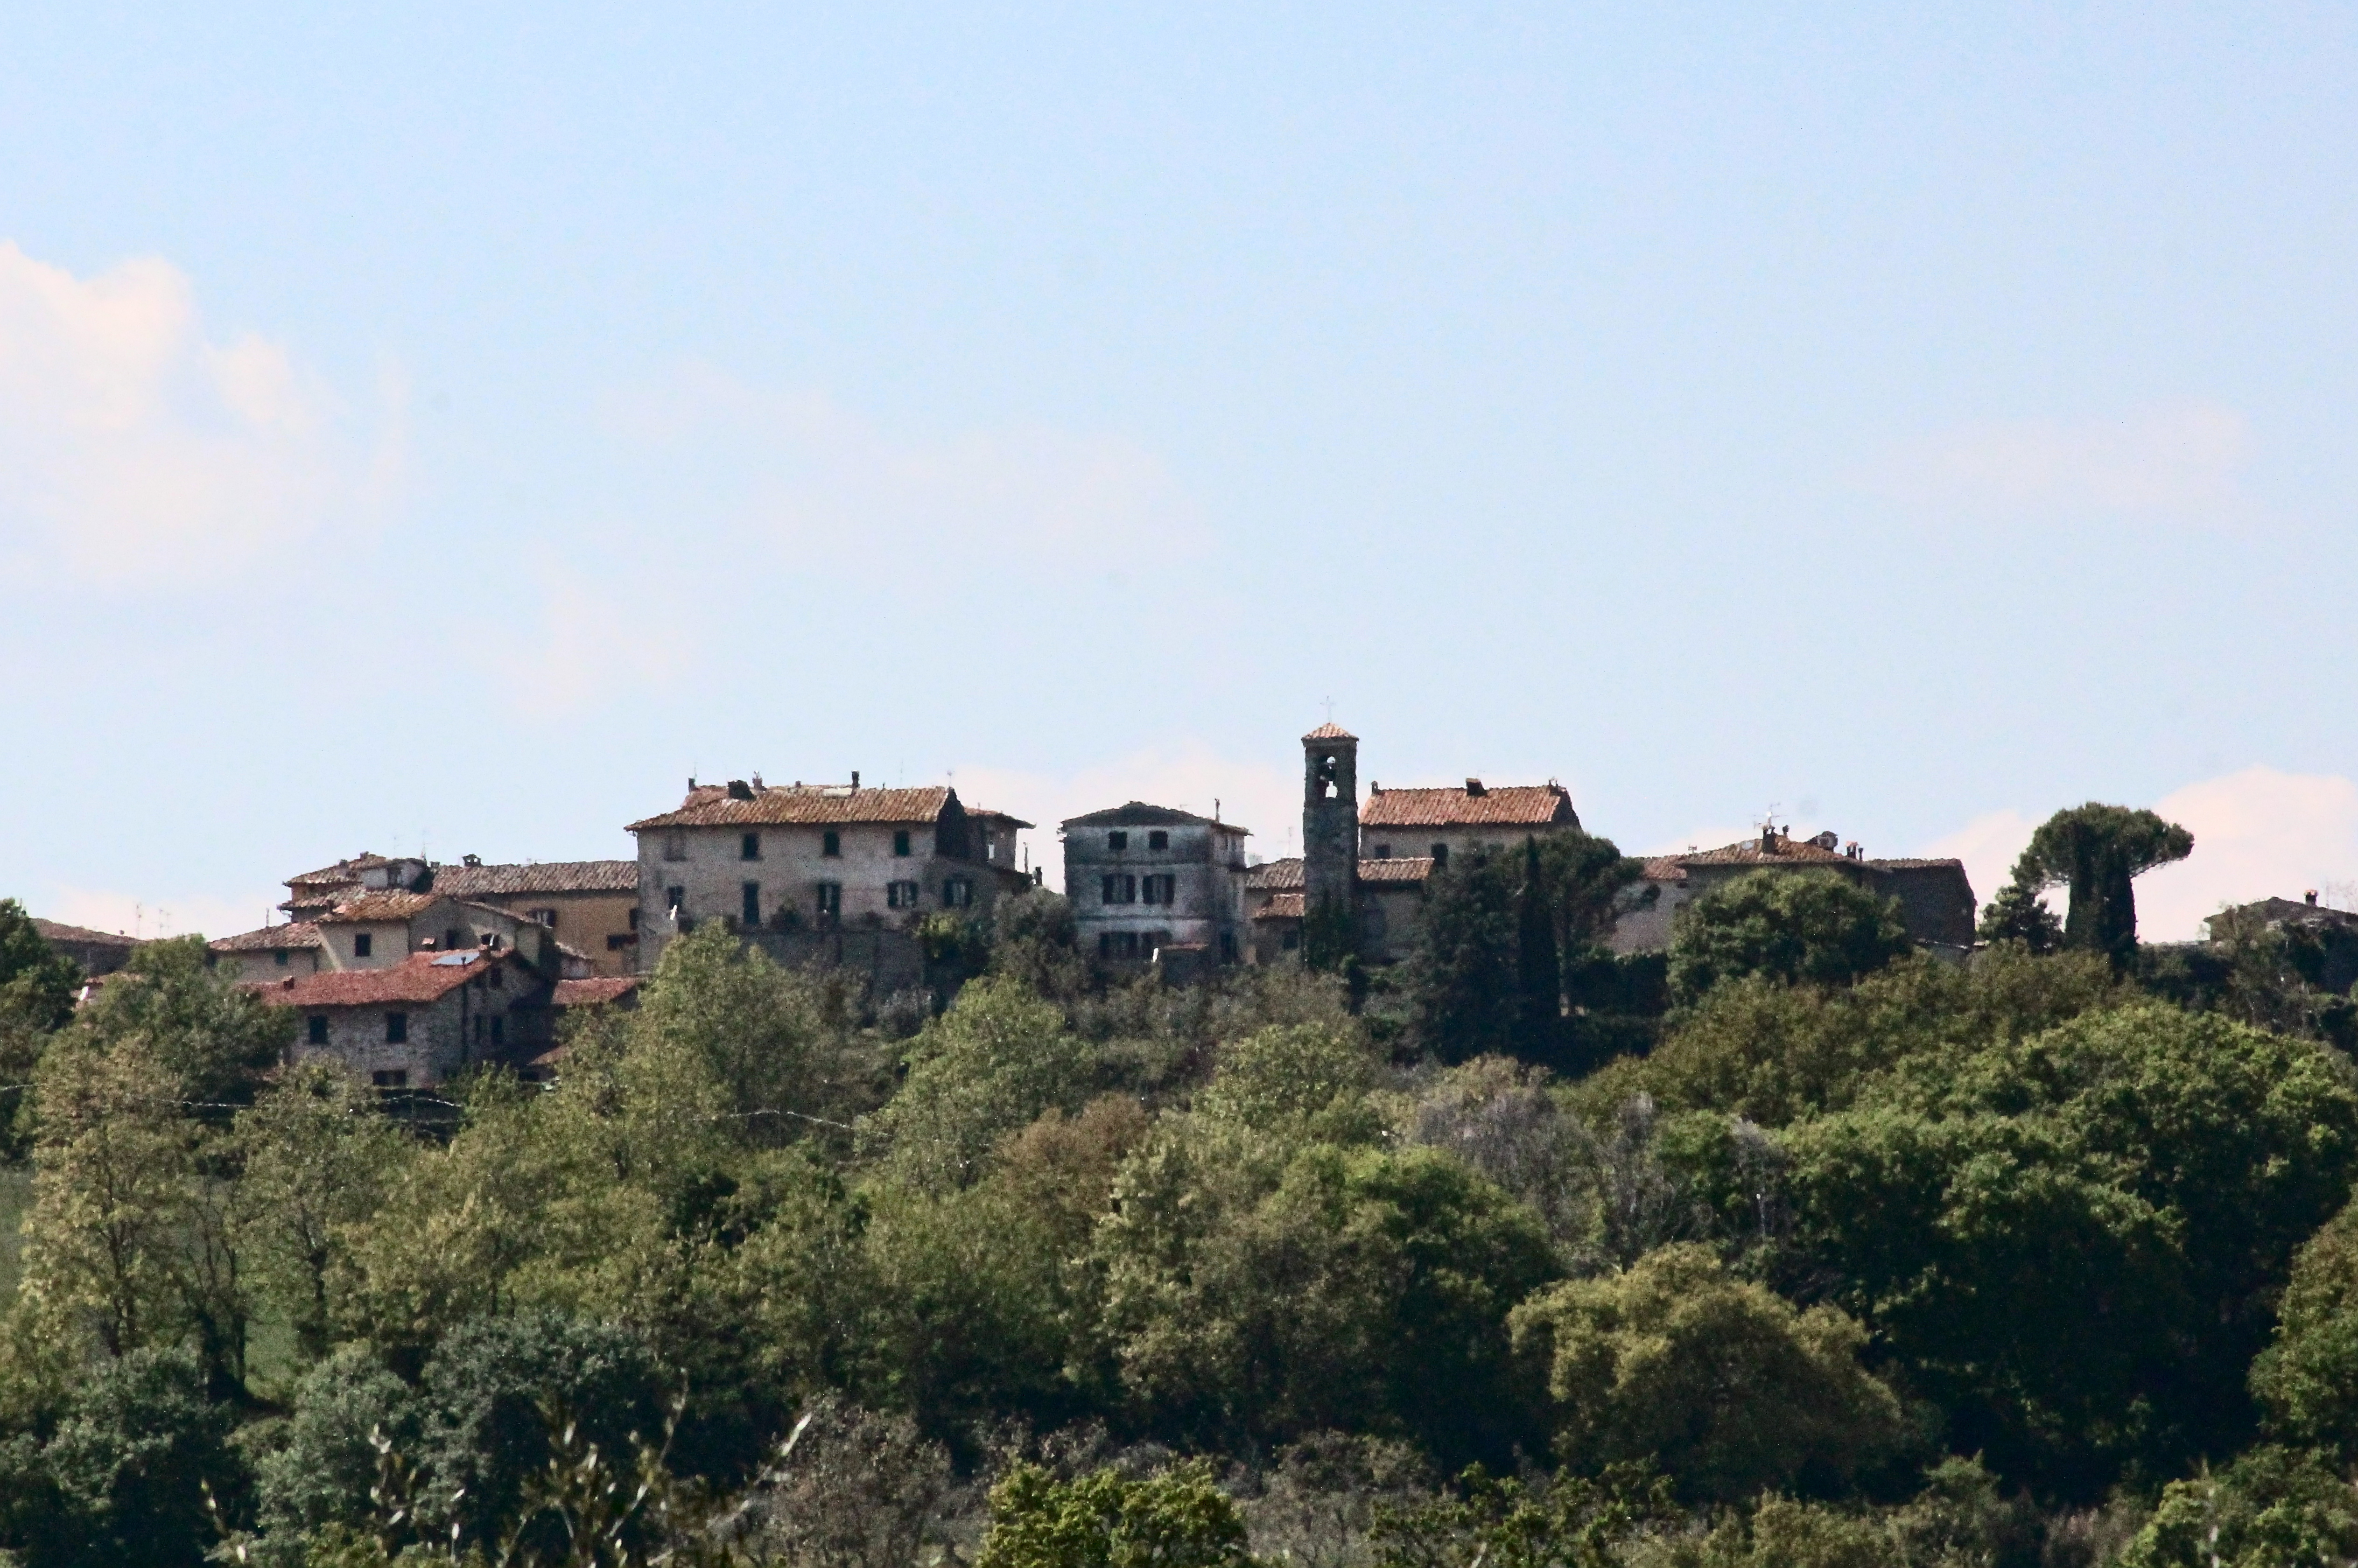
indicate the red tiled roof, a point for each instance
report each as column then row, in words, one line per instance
column 1402, row 869
column 1509, row 806
column 372, row 908
column 1781, row 851
column 1664, row 869
column 1285, row 873
column 342, row 873
column 815, row 806
column 58, row 930
column 982, row 814
column 1330, row 730
column 1139, row 814
column 594, row 992
column 270, row 939
column 420, row 977
column 1281, row 906
column 546, row 876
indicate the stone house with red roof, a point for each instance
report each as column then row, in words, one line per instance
column 419, row 1021
column 1150, row 881
column 800, row 859
column 591, row 906
column 1936, row 900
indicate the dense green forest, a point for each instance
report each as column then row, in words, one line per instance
column 1789, row 1247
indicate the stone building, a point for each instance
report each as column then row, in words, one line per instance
column 414, row 1023
column 592, row 907
column 1374, row 859
column 97, row 952
column 274, row 953
column 1144, row 880
column 382, row 930
column 1936, row 900
column 801, row 859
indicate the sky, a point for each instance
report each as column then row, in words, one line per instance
column 447, row 428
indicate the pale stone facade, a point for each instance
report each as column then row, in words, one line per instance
column 1143, row 879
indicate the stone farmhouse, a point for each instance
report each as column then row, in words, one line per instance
column 801, row 860
column 591, row 906
column 1150, row 884
column 380, row 930
column 416, row 1021
column 1936, row 901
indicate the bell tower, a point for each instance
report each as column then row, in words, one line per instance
column 1330, row 819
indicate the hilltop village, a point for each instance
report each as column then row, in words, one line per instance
column 411, row 972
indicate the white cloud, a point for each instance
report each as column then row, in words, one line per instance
column 151, row 916
column 2256, row 833
column 827, row 481
column 2178, row 459
column 135, row 448
column 1188, row 776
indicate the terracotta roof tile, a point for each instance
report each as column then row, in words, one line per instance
column 1782, row 851
column 1330, row 730
column 58, row 931
column 295, row 934
column 1286, row 873
column 1281, row 906
column 1664, row 869
column 984, row 814
column 1509, row 806
column 1139, row 814
column 420, row 977
column 342, row 874
column 815, row 805
column 546, row 876
column 1403, row 868
column 594, row 992
column 373, row 908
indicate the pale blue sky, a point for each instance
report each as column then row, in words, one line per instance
column 455, row 425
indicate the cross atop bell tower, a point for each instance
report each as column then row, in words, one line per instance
column 1330, row 817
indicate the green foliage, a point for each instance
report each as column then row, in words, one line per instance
column 322, row 1472
column 132, row 1461
column 1330, row 936
column 1177, row 1519
column 1508, row 960
column 209, row 1039
column 2273, row 1508
column 1794, row 927
column 2072, row 1240
column 1251, row 1293
column 2308, row 1378
column 2099, row 850
column 1036, row 942
column 1291, row 1078
column 36, row 982
column 985, row 1069
column 2018, row 914
column 1487, row 1522
column 1717, row 1380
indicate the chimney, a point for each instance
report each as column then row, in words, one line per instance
column 691, row 784
column 855, row 778
column 1474, row 787
column 740, row 790
column 1767, row 840
column 471, row 860
column 2311, row 896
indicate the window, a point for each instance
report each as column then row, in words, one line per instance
column 397, row 1029
column 1227, row 946
column 830, row 843
column 364, row 944
column 1117, row 840
column 499, row 1031
column 279, row 957
column 674, row 846
column 453, row 939
column 677, row 899
column 478, row 1028
column 957, row 893
column 635, row 917
column 1290, row 941
column 316, row 1029
column 1158, row 889
column 752, row 912
column 749, row 847
column 1117, row 944
column 398, row 1078
column 1440, row 857
column 901, row 841
column 1158, row 839
column 499, row 978
column 619, row 940
column 1119, row 888
column 901, row 895
column 831, row 900
column 545, row 917
column 1383, row 851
